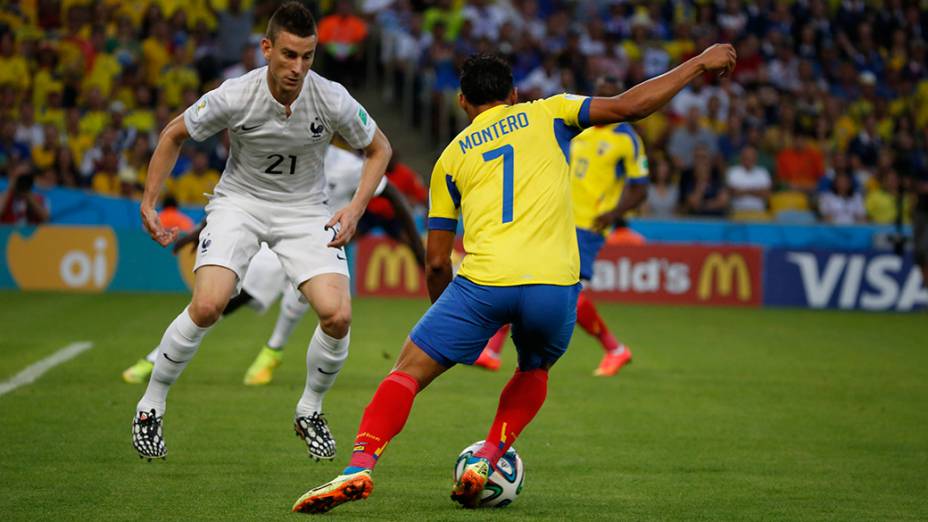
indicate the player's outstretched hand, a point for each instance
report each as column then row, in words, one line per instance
column 719, row 58
column 344, row 223
column 155, row 229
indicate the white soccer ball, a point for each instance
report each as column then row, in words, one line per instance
column 505, row 482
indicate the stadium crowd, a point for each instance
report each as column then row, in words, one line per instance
column 825, row 117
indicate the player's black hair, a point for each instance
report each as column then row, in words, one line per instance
column 486, row 78
column 292, row 17
column 169, row 202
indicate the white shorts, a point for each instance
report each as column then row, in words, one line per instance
column 264, row 279
column 237, row 225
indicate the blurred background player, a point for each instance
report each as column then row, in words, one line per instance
column 603, row 160
column 280, row 121
column 265, row 280
column 507, row 174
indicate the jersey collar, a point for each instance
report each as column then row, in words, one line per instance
column 489, row 113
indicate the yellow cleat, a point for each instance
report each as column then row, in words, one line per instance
column 138, row 373
column 262, row 370
column 467, row 489
column 344, row 488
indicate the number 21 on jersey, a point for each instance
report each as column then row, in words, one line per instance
column 508, row 155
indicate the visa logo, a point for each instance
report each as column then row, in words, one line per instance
column 874, row 283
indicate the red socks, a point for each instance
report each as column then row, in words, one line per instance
column 588, row 319
column 383, row 418
column 518, row 403
column 495, row 345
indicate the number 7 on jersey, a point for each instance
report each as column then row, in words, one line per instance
column 508, row 155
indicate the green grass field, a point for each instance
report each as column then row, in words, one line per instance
column 725, row 415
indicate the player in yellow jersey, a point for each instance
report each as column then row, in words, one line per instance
column 506, row 175
column 604, row 160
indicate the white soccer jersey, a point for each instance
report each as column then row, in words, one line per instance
column 274, row 157
column 343, row 173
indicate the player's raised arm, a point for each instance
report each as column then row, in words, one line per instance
column 162, row 161
column 647, row 97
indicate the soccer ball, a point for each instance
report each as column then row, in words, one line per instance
column 504, row 484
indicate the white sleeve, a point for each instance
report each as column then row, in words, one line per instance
column 381, row 186
column 352, row 122
column 209, row 115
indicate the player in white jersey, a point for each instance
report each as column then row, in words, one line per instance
column 280, row 119
column 265, row 280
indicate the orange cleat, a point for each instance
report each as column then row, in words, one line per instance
column 488, row 361
column 344, row 488
column 613, row 362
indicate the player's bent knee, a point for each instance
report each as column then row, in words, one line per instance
column 337, row 324
column 205, row 312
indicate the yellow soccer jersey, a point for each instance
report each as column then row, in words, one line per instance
column 602, row 160
column 508, row 175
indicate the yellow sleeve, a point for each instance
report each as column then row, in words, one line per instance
column 444, row 200
column 633, row 162
column 573, row 109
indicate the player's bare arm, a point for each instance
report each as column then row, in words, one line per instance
column 162, row 161
column 438, row 271
column 633, row 195
column 404, row 214
column 376, row 157
column 647, row 97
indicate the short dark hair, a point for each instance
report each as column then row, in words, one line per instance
column 486, row 78
column 169, row 201
column 292, row 17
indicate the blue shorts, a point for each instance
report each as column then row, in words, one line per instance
column 589, row 243
column 458, row 325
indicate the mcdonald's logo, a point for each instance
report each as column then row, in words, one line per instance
column 726, row 271
column 390, row 266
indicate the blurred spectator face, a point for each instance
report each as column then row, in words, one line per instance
column 8, row 130
column 749, row 157
column 343, row 8
column 73, row 120
column 63, row 157
column 842, row 184
column 51, row 135
column 94, row 98
column 6, row 44
column 701, row 158
column 26, row 113
column 200, row 162
column 662, row 172
column 607, row 86
column 891, row 181
column 110, row 161
column 692, row 119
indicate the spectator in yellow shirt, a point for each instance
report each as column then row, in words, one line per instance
column 13, row 68
column 96, row 118
column 105, row 178
column 43, row 156
column 884, row 202
column 178, row 77
column 191, row 187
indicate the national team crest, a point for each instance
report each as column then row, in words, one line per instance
column 316, row 127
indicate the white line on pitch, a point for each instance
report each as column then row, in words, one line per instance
column 33, row 372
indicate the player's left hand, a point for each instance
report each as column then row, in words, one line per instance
column 604, row 221
column 345, row 224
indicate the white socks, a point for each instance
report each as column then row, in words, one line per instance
column 324, row 359
column 292, row 309
column 178, row 345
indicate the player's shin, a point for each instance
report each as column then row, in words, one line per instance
column 589, row 319
column 324, row 359
column 384, row 417
column 178, row 346
column 519, row 402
